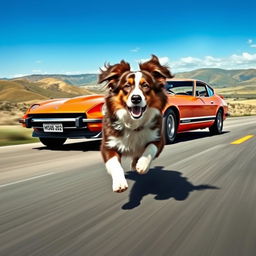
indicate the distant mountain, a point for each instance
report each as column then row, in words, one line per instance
column 213, row 76
column 78, row 80
column 54, row 84
column 41, row 87
column 221, row 77
column 23, row 90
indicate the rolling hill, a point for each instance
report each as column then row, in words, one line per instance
column 214, row 76
column 21, row 90
column 41, row 87
column 78, row 80
column 221, row 77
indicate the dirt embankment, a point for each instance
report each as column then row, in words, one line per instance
column 11, row 112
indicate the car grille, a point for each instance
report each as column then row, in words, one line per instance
column 70, row 121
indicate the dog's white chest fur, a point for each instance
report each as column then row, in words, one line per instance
column 132, row 141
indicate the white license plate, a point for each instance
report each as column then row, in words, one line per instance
column 53, row 127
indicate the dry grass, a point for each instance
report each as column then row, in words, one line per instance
column 20, row 95
column 13, row 135
column 239, row 109
column 238, row 92
column 59, row 85
column 242, row 101
column 228, row 89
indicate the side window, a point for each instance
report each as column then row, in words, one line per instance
column 210, row 91
column 201, row 90
column 180, row 87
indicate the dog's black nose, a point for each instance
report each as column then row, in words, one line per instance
column 136, row 99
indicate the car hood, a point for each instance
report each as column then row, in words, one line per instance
column 74, row 105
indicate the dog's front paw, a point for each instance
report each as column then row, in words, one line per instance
column 143, row 165
column 119, row 184
column 133, row 164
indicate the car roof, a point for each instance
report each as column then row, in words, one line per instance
column 181, row 79
column 185, row 79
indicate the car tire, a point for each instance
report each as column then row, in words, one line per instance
column 217, row 127
column 53, row 142
column 170, row 125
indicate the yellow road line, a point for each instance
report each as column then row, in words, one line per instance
column 243, row 139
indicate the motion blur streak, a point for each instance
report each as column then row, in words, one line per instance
column 20, row 181
column 197, row 199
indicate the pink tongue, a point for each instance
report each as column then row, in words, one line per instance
column 136, row 111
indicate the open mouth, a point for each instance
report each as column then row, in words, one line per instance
column 136, row 111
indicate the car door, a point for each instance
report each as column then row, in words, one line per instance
column 181, row 95
column 209, row 105
column 204, row 109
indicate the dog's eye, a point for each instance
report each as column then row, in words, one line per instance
column 127, row 86
column 145, row 86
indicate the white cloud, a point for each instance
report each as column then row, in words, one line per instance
column 135, row 49
column 235, row 61
column 251, row 44
column 249, row 41
column 38, row 61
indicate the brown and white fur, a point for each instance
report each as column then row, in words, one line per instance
column 132, row 124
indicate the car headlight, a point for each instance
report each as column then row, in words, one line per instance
column 35, row 106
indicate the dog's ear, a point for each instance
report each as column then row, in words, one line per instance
column 112, row 73
column 158, row 71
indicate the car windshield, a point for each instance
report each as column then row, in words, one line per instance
column 179, row 87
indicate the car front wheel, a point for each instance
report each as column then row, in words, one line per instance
column 53, row 142
column 170, row 126
column 217, row 127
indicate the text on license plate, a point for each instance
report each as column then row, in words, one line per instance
column 53, row 127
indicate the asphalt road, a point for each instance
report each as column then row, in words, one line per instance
column 199, row 198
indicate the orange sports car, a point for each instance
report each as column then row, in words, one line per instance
column 192, row 104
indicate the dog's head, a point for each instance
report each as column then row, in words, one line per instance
column 136, row 91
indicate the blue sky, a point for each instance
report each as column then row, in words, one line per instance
column 72, row 37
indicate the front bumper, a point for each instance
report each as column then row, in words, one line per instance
column 78, row 121
column 74, row 126
column 67, row 134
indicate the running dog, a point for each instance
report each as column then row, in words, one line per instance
column 132, row 123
